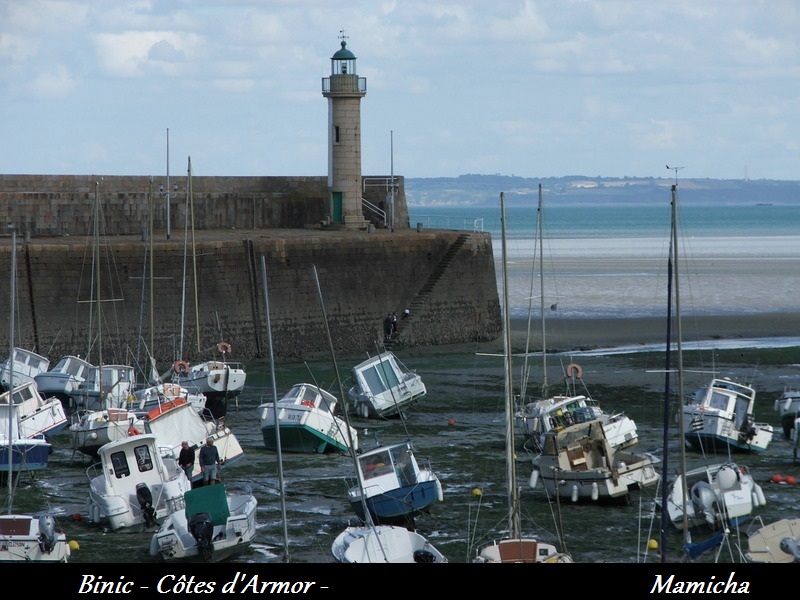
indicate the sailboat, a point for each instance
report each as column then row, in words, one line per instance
column 370, row 542
column 535, row 418
column 106, row 385
column 712, row 497
column 579, row 451
column 218, row 379
column 514, row 548
column 25, row 538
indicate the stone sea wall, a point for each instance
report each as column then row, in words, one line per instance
column 448, row 276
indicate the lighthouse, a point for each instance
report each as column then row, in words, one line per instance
column 344, row 90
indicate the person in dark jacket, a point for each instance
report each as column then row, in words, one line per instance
column 186, row 459
column 388, row 325
column 209, row 462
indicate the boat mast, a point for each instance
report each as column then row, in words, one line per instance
column 190, row 193
column 687, row 538
column 13, row 302
column 545, row 386
column 282, row 488
column 97, row 288
column 514, row 525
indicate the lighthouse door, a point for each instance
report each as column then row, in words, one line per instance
column 336, row 209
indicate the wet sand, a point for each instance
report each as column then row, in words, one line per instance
column 582, row 334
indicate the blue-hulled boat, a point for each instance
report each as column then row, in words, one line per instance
column 396, row 488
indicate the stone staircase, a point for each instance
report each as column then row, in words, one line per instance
column 417, row 304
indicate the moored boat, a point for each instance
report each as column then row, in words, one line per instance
column 130, row 487
column 308, row 423
column 720, row 416
column 206, row 524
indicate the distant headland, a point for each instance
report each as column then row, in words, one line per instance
column 483, row 189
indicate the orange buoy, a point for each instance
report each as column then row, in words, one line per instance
column 76, row 517
column 777, row 478
column 451, row 422
column 790, row 480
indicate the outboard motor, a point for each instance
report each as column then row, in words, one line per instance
column 789, row 546
column 705, row 502
column 145, row 498
column 202, row 530
column 424, row 556
column 47, row 533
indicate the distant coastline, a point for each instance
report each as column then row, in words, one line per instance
column 483, row 189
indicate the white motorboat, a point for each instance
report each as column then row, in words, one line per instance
column 219, row 380
column 721, row 416
column 578, row 463
column 719, row 494
column 308, row 423
column 536, row 419
column 788, row 406
column 384, row 387
column 106, row 386
column 23, row 366
column 63, row 380
column 129, row 489
column 384, row 544
column 36, row 415
column 206, row 524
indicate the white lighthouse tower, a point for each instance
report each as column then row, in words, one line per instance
column 344, row 90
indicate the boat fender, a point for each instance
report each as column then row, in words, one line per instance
column 364, row 410
column 595, row 491
column 132, row 430
column 181, row 367
column 574, row 493
column 534, row 479
column 762, row 500
column 439, row 491
column 224, row 348
column 574, row 370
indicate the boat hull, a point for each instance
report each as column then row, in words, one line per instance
column 384, row 544
column 399, row 505
column 302, row 439
column 26, row 455
column 231, row 527
column 22, row 540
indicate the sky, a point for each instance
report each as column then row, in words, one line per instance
column 536, row 88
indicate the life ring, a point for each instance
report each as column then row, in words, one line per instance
column 224, row 348
column 133, row 431
column 574, row 370
column 181, row 367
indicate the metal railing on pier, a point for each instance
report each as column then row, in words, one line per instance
column 447, row 222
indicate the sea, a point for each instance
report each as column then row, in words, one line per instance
column 611, row 260
column 605, row 260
